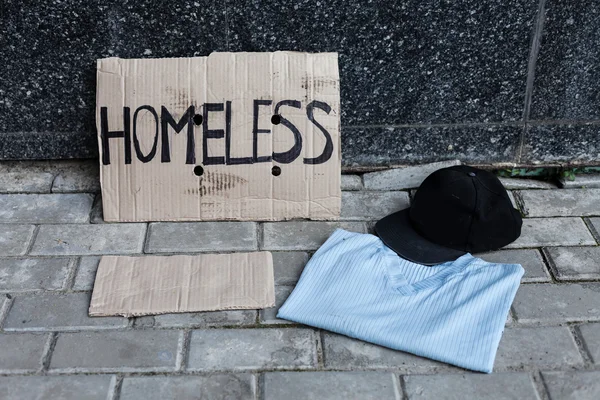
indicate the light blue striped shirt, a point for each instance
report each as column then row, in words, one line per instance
column 453, row 312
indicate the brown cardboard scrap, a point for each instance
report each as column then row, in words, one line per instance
column 131, row 286
column 231, row 136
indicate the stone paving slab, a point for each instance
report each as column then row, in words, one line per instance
column 199, row 319
column 574, row 263
column 538, row 232
column 303, row 235
column 178, row 237
column 331, row 385
column 344, row 353
column 573, row 385
column 250, row 349
column 560, row 203
column 45, row 208
column 520, row 183
column 557, row 304
column 75, row 387
column 591, row 337
column 89, row 239
column 352, row 182
column 22, row 274
column 15, row 239
column 581, row 181
column 85, row 178
column 269, row 315
column 21, row 352
column 361, row 206
column 403, row 178
column 139, row 350
column 214, row 386
column 288, row 266
column 539, row 347
column 86, row 273
column 26, row 182
column 530, row 260
column 56, row 312
column 497, row 386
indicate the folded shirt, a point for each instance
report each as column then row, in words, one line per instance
column 454, row 312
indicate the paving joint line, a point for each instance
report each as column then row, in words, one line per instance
column 5, row 309
column 539, row 384
column 32, row 240
column 114, row 391
column 48, row 352
column 183, row 349
column 549, row 264
column 592, row 229
column 581, row 345
column 73, row 270
column 403, row 391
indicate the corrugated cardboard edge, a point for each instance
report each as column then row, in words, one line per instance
column 93, row 313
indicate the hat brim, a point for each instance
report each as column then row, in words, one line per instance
column 397, row 233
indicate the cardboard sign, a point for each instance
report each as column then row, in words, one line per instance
column 231, row 136
column 131, row 286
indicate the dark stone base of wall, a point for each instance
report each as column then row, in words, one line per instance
column 384, row 146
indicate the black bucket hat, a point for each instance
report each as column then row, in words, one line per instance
column 456, row 210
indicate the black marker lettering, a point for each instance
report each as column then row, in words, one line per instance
column 256, row 131
column 228, row 159
column 106, row 134
column 328, row 150
column 289, row 156
column 210, row 134
column 167, row 120
column 136, row 143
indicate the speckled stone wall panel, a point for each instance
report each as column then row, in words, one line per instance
column 410, row 61
column 562, row 143
column 567, row 70
column 49, row 51
column 470, row 144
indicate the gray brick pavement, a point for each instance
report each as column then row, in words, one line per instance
column 498, row 386
column 21, row 352
column 573, row 385
column 269, row 315
column 244, row 349
column 214, row 386
column 303, row 235
column 15, row 239
column 56, row 311
column 89, row 239
column 288, row 265
column 403, row 178
column 575, row 263
column 537, row 347
column 331, row 385
column 561, row 203
column 557, row 304
column 351, row 182
column 200, row 319
column 520, row 183
column 178, row 237
column 530, row 260
column 139, row 350
column 45, row 208
column 591, row 338
column 86, row 273
column 341, row 352
column 372, row 205
column 537, row 232
column 22, row 274
column 26, row 182
column 76, row 387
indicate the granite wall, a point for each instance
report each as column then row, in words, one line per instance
column 485, row 81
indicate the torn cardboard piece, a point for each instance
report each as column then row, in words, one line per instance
column 149, row 285
column 231, row 136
